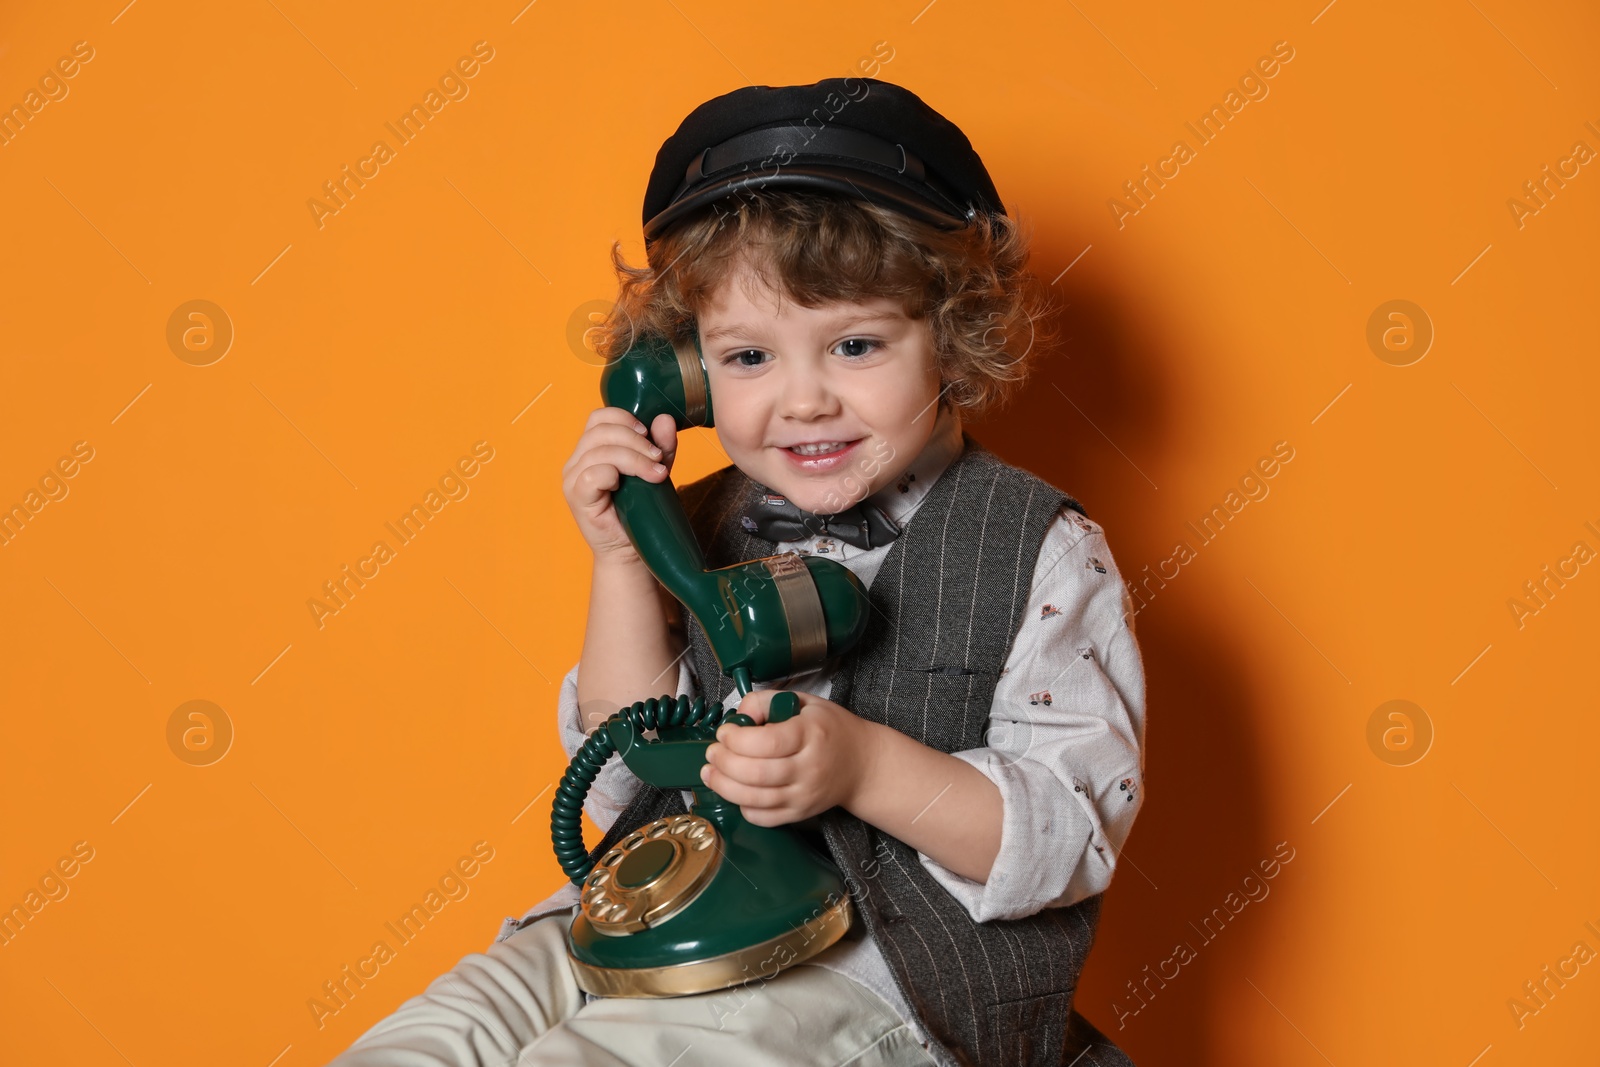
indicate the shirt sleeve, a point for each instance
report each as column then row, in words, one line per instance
column 1066, row 735
column 615, row 786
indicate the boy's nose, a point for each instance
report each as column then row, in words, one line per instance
column 806, row 395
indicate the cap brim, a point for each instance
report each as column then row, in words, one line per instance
column 813, row 178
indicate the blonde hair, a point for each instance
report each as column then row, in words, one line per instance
column 988, row 314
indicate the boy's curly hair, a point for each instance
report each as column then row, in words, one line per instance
column 988, row 313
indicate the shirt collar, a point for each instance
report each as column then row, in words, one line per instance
column 901, row 497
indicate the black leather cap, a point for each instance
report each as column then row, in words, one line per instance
column 858, row 137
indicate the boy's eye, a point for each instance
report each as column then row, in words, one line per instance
column 738, row 357
column 859, row 341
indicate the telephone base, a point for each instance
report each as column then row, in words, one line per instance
column 763, row 960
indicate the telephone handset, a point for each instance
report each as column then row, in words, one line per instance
column 705, row 900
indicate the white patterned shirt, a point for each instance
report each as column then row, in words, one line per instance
column 1065, row 745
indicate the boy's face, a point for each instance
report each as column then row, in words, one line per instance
column 862, row 374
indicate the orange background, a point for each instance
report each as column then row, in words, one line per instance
column 371, row 353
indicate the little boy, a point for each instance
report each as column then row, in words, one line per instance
column 975, row 763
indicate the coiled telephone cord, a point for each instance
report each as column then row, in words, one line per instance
column 566, row 825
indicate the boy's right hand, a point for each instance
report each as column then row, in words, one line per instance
column 613, row 444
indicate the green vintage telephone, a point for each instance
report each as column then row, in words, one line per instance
column 702, row 901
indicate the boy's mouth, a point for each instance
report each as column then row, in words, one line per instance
column 820, row 455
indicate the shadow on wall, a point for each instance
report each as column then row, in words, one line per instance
column 1200, row 832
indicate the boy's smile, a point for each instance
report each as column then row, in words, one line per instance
column 790, row 385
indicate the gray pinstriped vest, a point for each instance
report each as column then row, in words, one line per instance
column 948, row 598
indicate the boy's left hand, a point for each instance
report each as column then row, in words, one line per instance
column 784, row 772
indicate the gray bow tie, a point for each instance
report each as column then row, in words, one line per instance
column 774, row 518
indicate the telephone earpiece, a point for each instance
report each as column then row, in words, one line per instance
column 766, row 618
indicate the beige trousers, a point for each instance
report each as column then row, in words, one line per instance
column 516, row 1005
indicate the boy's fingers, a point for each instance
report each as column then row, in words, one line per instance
column 616, row 439
column 766, row 741
column 615, row 458
column 620, row 416
column 748, row 770
column 776, row 816
column 612, row 443
column 756, row 704
column 664, row 432
column 731, row 789
column 596, row 480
